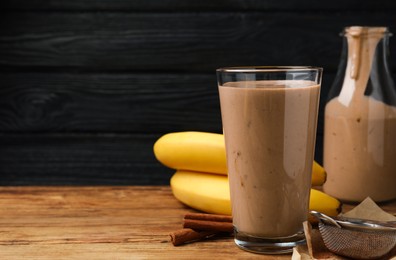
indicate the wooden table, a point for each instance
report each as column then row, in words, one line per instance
column 122, row 222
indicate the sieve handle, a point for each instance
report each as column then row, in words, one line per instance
column 355, row 223
column 324, row 218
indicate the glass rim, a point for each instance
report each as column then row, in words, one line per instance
column 252, row 69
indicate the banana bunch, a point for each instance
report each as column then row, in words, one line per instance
column 200, row 180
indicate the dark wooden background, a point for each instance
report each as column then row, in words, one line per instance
column 86, row 87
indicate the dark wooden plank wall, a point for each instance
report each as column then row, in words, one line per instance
column 86, row 87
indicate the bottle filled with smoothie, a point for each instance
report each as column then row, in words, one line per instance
column 360, row 120
column 269, row 117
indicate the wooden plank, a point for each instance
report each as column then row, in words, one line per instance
column 80, row 159
column 106, row 41
column 203, row 5
column 121, row 102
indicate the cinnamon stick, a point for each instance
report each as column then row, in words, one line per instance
column 199, row 226
column 208, row 217
column 188, row 235
column 208, row 225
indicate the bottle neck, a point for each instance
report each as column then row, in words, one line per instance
column 362, row 52
column 362, row 45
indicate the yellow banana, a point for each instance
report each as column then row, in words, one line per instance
column 196, row 151
column 206, row 192
column 204, row 152
column 319, row 174
column 324, row 203
column 210, row 193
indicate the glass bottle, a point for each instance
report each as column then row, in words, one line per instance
column 360, row 120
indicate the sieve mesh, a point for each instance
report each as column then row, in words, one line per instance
column 361, row 244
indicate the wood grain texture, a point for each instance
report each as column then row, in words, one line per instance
column 80, row 159
column 100, row 223
column 176, row 41
column 111, row 103
column 131, row 222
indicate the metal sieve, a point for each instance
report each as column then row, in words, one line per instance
column 356, row 238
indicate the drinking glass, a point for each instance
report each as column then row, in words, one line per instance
column 269, row 117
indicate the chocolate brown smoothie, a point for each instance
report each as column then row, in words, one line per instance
column 270, row 137
column 360, row 167
column 360, row 131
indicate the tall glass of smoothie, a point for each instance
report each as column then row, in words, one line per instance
column 269, row 117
